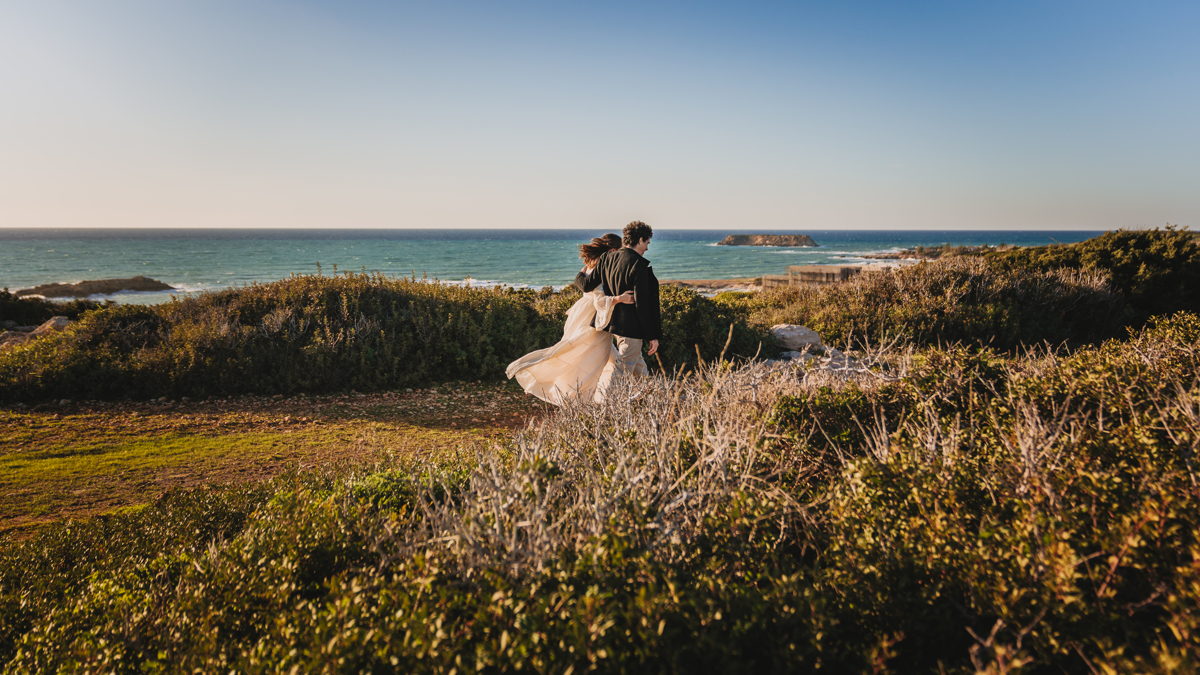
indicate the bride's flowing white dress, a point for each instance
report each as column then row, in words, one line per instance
column 581, row 364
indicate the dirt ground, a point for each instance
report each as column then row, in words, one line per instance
column 87, row 458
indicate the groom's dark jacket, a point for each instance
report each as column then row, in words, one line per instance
column 624, row 270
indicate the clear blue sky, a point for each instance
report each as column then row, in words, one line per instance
column 848, row 114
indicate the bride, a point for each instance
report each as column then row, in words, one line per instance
column 581, row 363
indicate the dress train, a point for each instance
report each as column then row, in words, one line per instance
column 581, row 364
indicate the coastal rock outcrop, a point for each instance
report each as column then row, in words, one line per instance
column 767, row 240
column 98, row 287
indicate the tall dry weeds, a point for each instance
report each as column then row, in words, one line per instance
column 653, row 461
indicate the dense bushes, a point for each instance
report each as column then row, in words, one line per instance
column 316, row 333
column 965, row 299
column 692, row 322
column 306, row 333
column 1054, row 518
column 1157, row 271
column 1005, row 298
column 725, row 521
column 39, row 575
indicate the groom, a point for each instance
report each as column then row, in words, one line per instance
column 621, row 270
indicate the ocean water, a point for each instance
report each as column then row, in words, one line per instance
column 194, row 261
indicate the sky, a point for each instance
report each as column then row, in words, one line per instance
column 697, row 115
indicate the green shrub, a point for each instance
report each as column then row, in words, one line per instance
column 50, row 570
column 306, row 333
column 1157, row 271
column 960, row 299
column 995, row 485
column 692, row 322
column 1004, row 298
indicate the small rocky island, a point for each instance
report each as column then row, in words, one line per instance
column 99, row 287
column 767, row 240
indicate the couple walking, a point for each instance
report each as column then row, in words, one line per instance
column 620, row 298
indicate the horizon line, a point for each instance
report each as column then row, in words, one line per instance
column 659, row 228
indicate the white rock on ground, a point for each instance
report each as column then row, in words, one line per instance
column 54, row 325
column 795, row 338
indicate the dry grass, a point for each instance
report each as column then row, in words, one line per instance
column 654, row 461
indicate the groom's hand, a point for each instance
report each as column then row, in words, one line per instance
column 653, row 348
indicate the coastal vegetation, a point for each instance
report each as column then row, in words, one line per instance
column 962, row 511
column 968, row 300
column 1006, row 299
column 326, row 333
column 1155, row 271
column 1005, row 483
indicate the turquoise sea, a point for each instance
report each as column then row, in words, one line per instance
column 194, row 261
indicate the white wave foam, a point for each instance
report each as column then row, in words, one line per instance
column 194, row 288
column 100, row 297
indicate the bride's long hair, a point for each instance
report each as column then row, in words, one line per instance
column 591, row 251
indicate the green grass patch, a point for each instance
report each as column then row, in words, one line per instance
column 87, row 477
column 80, row 474
column 90, row 460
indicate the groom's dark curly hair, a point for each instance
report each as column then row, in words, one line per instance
column 635, row 232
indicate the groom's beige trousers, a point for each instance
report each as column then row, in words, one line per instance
column 629, row 357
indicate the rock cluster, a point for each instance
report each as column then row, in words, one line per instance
column 98, row 287
column 17, row 335
column 767, row 240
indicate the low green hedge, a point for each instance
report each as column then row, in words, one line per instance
column 319, row 334
column 305, row 333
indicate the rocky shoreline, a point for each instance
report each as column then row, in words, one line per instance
column 84, row 289
column 935, row 252
column 710, row 287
